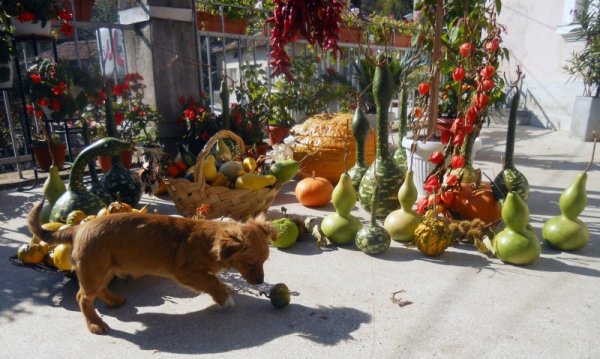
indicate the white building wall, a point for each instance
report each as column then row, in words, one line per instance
column 535, row 44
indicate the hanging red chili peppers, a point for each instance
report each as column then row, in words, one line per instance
column 317, row 20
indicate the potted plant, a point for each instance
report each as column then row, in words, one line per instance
column 46, row 154
column 585, row 64
column 254, row 95
column 134, row 120
column 32, row 17
column 198, row 123
column 235, row 15
column 388, row 31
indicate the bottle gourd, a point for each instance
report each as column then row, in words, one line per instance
column 401, row 223
column 517, row 243
column 565, row 231
column 384, row 168
column 341, row 227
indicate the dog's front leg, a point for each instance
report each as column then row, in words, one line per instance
column 205, row 282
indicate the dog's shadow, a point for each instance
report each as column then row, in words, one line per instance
column 252, row 322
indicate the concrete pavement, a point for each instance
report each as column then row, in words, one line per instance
column 460, row 305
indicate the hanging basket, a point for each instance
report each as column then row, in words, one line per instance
column 222, row 201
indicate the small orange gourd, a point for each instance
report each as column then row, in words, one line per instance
column 314, row 191
column 479, row 202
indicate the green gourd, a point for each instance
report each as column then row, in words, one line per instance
column 76, row 196
column 401, row 223
column 360, row 130
column 373, row 238
column 510, row 179
column 565, row 231
column 224, row 95
column 517, row 243
column 97, row 187
column 54, row 187
column 122, row 184
column 389, row 173
column 341, row 227
column 400, row 154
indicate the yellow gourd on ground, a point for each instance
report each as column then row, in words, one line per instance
column 62, row 257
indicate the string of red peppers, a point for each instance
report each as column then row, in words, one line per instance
column 316, row 20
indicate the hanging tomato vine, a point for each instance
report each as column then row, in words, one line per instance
column 316, row 20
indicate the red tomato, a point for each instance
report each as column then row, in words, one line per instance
column 465, row 49
column 458, row 74
column 424, row 88
column 457, row 161
column 437, row 157
column 488, row 71
column 492, row 46
column 487, row 84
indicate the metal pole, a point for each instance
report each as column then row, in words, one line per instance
column 11, row 130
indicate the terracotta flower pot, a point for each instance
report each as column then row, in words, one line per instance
column 42, row 155
column 351, row 35
column 106, row 162
column 277, row 134
column 208, row 22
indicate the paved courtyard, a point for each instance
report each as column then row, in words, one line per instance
column 460, row 305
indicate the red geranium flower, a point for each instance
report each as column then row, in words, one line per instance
column 55, row 105
column 25, row 16
column 35, row 78
column 119, row 117
column 67, row 29
column 65, row 15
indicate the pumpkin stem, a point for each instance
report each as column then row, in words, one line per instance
column 313, row 174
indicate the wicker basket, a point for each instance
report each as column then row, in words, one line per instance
column 238, row 204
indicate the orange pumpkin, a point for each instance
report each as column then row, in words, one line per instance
column 320, row 143
column 314, row 191
column 472, row 202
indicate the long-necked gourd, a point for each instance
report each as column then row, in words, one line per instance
column 341, row 227
column 389, row 173
column 401, row 223
column 517, row 243
column 224, row 95
column 373, row 238
column 565, row 231
column 77, row 196
column 360, row 130
column 400, row 154
column 510, row 179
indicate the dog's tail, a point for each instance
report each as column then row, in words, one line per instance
column 33, row 220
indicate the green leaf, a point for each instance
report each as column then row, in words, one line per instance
column 498, row 5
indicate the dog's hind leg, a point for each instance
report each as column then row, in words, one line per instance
column 91, row 286
column 92, row 320
column 204, row 282
column 111, row 299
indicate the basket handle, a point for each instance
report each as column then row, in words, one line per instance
column 223, row 134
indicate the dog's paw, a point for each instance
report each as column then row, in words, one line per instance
column 97, row 328
column 228, row 303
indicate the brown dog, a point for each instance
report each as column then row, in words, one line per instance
column 190, row 251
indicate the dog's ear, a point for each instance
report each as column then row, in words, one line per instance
column 229, row 245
